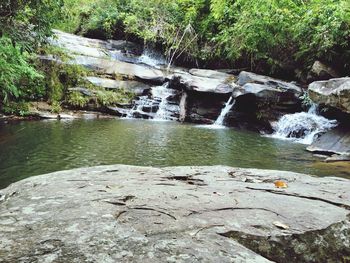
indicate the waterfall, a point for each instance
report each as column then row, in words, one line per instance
column 156, row 106
column 302, row 127
column 165, row 110
column 152, row 58
column 228, row 106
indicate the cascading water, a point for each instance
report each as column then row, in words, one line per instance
column 228, row 106
column 302, row 127
column 152, row 58
column 166, row 110
column 156, row 106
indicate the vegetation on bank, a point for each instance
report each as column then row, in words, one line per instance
column 268, row 36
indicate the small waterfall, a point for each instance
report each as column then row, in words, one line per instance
column 156, row 106
column 302, row 127
column 152, row 58
column 228, row 106
column 165, row 110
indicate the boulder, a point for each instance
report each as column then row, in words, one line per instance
column 270, row 84
column 178, row 214
column 334, row 141
column 333, row 93
column 320, row 71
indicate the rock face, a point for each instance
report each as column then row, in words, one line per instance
column 335, row 141
column 119, row 65
column 333, row 93
column 269, row 89
column 320, row 71
column 138, row 88
column 212, row 85
column 177, row 214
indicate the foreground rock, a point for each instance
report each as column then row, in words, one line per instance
column 333, row 93
column 180, row 214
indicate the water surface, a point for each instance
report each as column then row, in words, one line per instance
column 32, row 148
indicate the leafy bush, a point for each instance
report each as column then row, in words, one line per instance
column 17, row 76
column 265, row 35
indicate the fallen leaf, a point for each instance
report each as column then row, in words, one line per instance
column 281, row 184
column 281, row 225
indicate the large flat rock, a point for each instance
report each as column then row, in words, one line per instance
column 177, row 214
column 120, row 68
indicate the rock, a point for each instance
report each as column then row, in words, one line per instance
column 189, row 82
column 119, row 111
column 122, row 69
column 320, row 71
column 338, row 158
column 335, row 141
column 135, row 87
column 271, row 84
column 178, row 214
column 83, row 91
column 331, row 93
column 207, row 73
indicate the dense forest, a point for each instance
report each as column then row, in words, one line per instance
column 281, row 37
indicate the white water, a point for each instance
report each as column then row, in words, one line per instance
column 146, row 105
column 219, row 123
column 166, row 110
column 152, row 58
column 302, row 127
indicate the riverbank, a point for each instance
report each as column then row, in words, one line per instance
column 176, row 214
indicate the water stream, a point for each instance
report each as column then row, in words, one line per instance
column 302, row 127
column 156, row 106
column 219, row 123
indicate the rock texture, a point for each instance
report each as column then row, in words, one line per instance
column 176, row 214
column 331, row 93
column 320, row 71
column 335, row 141
column 269, row 89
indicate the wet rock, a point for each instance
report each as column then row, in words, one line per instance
column 320, row 71
column 118, row 111
column 334, row 141
column 333, row 93
column 177, row 214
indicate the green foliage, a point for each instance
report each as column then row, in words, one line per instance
column 77, row 99
column 24, row 25
column 263, row 34
column 17, row 76
column 16, row 108
column 110, row 98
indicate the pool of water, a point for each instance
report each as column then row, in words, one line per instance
column 32, row 148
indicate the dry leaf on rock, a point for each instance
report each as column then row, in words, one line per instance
column 281, row 184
